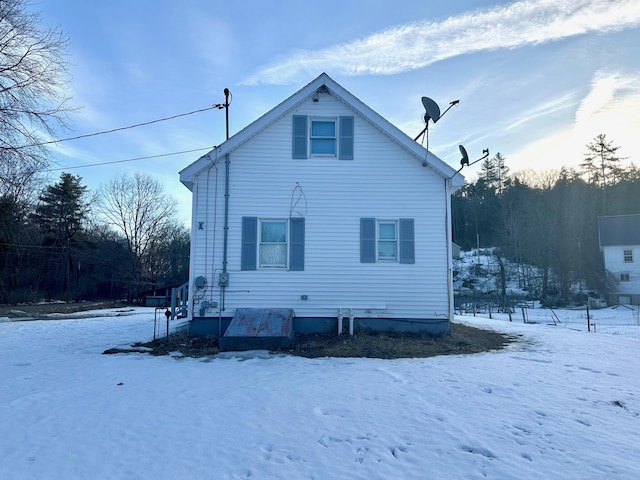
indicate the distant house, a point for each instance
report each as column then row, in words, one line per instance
column 620, row 245
column 322, row 208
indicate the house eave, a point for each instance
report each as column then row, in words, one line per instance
column 421, row 154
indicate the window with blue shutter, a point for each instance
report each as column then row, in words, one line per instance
column 300, row 134
column 265, row 243
column 248, row 260
column 367, row 240
column 407, row 241
column 346, row 138
column 387, row 240
column 296, row 247
column 323, row 137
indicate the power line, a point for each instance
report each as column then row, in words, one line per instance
column 218, row 106
column 42, row 248
column 128, row 160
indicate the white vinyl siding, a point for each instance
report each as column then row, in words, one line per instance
column 385, row 182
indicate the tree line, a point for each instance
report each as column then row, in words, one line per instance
column 59, row 240
column 548, row 219
column 72, row 244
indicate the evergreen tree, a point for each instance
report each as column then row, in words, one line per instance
column 489, row 172
column 600, row 163
column 60, row 216
column 62, row 209
column 502, row 171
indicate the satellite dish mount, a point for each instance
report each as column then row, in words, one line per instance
column 432, row 112
column 465, row 157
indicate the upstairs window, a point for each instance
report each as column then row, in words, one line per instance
column 628, row 256
column 323, row 137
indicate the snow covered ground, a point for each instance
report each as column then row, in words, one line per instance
column 559, row 403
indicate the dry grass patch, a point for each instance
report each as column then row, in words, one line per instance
column 460, row 340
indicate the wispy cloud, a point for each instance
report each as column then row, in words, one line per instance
column 608, row 91
column 419, row 44
column 555, row 104
column 610, row 107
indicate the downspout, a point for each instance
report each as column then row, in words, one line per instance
column 447, row 191
column 192, row 250
column 224, row 277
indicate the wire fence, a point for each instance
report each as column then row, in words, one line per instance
column 619, row 320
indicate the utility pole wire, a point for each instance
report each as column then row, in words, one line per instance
column 128, row 159
column 112, row 130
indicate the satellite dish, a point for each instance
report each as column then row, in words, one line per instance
column 432, row 110
column 465, row 158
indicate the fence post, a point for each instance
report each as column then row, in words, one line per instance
column 588, row 320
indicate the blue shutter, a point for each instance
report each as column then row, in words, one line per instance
column 346, row 138
column 296, row 245
column 300, row 136
column 367, row 240
column 407, row 242
column 248, row 259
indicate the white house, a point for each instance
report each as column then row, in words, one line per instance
column 322, row 208
column 620, row 245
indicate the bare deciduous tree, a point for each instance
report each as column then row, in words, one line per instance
column 32, row 94
column 138, row 208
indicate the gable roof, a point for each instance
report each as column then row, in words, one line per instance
column 619, row 230
column 394, row 133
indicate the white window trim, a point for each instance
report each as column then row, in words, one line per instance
column 335, row 136
column 624, row 255
column 286, row 243
column 625, row 274
column 396, row 257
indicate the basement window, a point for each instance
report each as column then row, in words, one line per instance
column 624, row 277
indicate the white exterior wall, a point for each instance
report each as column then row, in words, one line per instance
column 614, row 263
column 383, row 182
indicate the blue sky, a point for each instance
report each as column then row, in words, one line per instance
column 536, row 80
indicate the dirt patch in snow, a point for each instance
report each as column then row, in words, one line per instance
column 44, row 310
column 461, row 339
